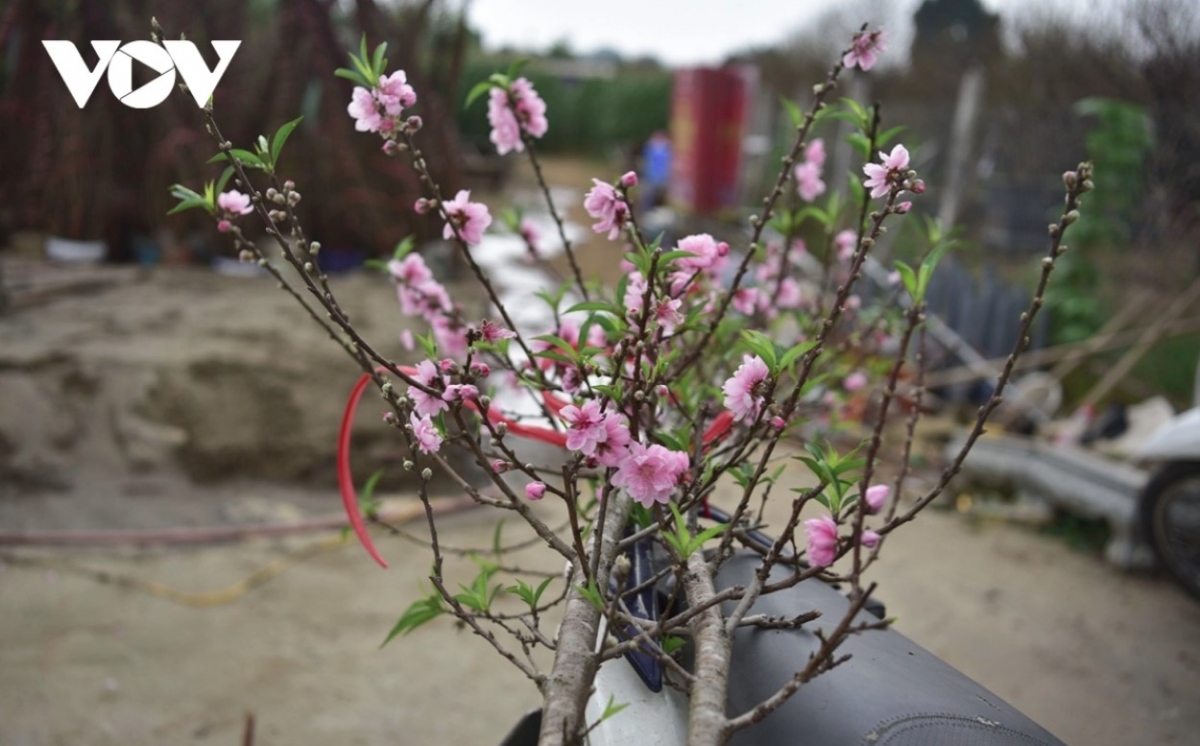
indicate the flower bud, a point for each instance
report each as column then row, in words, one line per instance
column 293, row 199
column 1071, row 217
column 481, row 370
column 876, row 497
column 413, row 124
column 389, row 418
column 918, row 186
column 500, row 466
column 427, row 474
column 314, row 247
column 902, row 207
column 408, row 465
column 629, row 180
column 391, row 147
column 777, row 422
column 289, row 185
column 535, row 490
column 224, row 226
column 422, row 206
column 1070, row 179
column 245, row 256
column 1088, row 185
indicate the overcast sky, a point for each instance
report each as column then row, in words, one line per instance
column 678, row 32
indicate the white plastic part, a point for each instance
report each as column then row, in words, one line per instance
column 650, row 719
column 1178, row 440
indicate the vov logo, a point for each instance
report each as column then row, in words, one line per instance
column 118, row 60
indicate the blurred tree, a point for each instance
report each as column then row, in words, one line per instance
column 105, row 169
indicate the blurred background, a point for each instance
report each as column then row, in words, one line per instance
column 148, row 382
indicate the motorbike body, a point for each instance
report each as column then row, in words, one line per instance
column 1169, row 505
column 891, row 692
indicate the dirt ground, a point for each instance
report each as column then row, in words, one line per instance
column 176, row 397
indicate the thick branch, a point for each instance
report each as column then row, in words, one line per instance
column 567, row 687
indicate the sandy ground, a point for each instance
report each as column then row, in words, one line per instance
column 1097, row 657
column 179, row 398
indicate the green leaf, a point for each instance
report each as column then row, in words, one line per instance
column 420, row 612
column 793, row 354
column 860, row 143
column 352, row 75
column 378, row 264
column 245, row 156
column 671, row 643
column 856, row 186
column 179, row 191
column 612, row 708
column 670, row 442
column 761, row 345
column 884, row 137
column 190, row 204
column 591, row 593
column 669, row 256
column 699, row 540
column 477, row 90
column 929, row 264
column 221, row 182
column 592, row 305
column 515, row 68
column 281, row 136
column 378, row 61
column 406, row 245
column 909, row 278
column 858, row 110
column 793, row 110
column 496, row 544
column 366, row 503
column 537, row 595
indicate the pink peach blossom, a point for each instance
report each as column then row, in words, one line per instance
column 814, row 152
column 491, row 332
column 471, row 218
column 667, row 314
column 881, row 177
column 864, row 50
column 585, row 426
column 613, row 447
column 429, row 440
column 845, row 242
column 394, row 93
column 426, row 404
column 365, row 111
column 744, row 389
column 506, row 130
column 531, row 109
column 234, row 202
column 855, row 381
column 822, row 540
column 808, row 181
column 649, row 473
column 708, row 253
column 610, row 211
